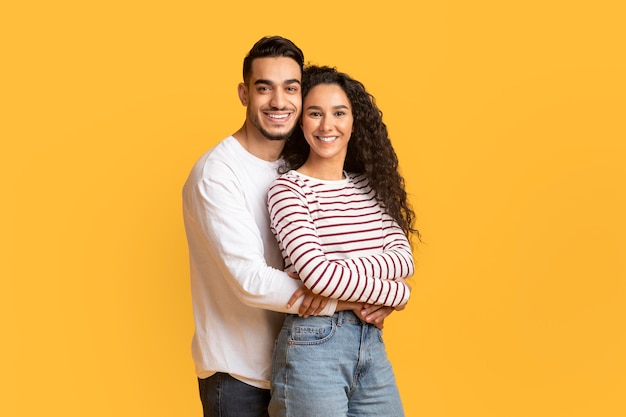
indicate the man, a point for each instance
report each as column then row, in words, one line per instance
column 236, row 266
column 239, row 290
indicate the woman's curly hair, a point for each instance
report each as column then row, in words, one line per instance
column 369, row 150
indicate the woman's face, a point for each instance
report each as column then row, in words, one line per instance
column 327, row 123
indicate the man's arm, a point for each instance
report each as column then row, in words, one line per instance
column 222, row 228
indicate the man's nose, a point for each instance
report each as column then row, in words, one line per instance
column 278, row 99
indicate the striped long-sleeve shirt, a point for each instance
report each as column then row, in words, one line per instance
column 339, row 238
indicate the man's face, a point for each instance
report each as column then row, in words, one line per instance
column 273, row 97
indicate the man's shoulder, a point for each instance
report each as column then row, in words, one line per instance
column 224, row 153
column 216, row 161
column 222, row 149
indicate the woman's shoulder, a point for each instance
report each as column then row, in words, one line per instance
column 357, row 178
column 289, row 179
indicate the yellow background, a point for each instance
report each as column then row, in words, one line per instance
column 509, row 121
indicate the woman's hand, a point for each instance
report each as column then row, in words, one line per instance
column 374, row 314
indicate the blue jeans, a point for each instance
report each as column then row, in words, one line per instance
column 333, row 367
column 224, row 396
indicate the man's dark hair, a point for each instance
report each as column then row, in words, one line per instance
column 271, row 47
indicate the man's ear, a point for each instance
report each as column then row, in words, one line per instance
column 242, row 90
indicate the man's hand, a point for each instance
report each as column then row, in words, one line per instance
column 312, row 304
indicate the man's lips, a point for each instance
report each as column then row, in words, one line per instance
column 278, row 117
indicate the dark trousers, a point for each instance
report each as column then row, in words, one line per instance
column 224, row 396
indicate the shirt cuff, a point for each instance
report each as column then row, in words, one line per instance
column 330, row 308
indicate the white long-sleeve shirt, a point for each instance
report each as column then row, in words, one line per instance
column 339, row 238
column 237, row 275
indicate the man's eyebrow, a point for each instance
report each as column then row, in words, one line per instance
column 269, row 82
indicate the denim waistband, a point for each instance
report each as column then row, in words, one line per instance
column 340, row 317
column 346, row 316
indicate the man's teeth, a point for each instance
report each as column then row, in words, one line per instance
column 278, row 116
column 327, row 138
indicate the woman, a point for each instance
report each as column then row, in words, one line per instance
column 341, row 217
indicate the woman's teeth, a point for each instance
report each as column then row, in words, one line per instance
column 327, row 138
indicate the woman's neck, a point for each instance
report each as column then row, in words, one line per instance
column 327, row 172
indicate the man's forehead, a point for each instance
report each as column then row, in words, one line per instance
column 275, row 69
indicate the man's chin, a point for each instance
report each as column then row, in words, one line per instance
column 277, row 135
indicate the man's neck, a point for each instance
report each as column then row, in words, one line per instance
column 258, row 145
